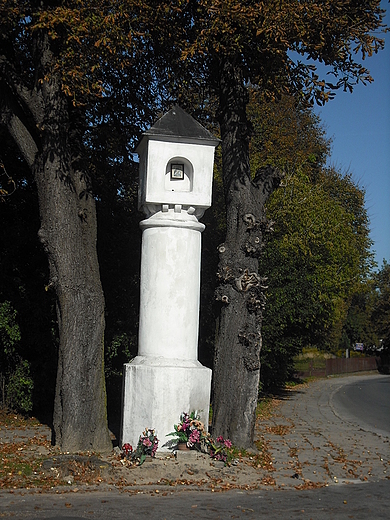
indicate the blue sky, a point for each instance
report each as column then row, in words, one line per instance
column 359, row 124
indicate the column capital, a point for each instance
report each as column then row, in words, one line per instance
column 173, row 217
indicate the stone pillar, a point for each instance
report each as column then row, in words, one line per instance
column 176, row 158
column 170, row 286
column 166, row 379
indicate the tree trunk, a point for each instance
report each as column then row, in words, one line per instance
column 236, row 373
column 68, row 233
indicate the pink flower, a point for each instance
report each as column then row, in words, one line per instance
column 228, row 443
column 146, row 442
column 194, row 437
column 220, row 439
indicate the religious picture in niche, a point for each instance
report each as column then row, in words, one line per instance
column 177, row 171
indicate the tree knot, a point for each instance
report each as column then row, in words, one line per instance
column 251, row 341
column 83, row 215
column 250, row 220
column 247, row 280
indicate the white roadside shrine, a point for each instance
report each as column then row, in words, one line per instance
column 166, row 379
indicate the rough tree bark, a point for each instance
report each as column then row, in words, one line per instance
column 236, row 372
column 39, row 120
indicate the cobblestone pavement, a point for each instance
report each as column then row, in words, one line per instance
column 312, row 444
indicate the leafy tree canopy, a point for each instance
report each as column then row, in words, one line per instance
column 318, row 252
column 279, row 44
column 381, row 311
column 359, row 326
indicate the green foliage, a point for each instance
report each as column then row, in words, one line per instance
column 318, row 256
column 9, row 338
column 368, row 318
column 87, row 44
column 285, row 134
column 117, row 352
column 319, row 251
column 119, row 349
column 381, row 308
column 9, row 330
column 359, row 326
column 314, row 261
column 24, row 274
column 20, row 388
column 16, row 383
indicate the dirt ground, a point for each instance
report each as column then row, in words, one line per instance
column 29, row 462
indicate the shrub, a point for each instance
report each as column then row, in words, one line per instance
column 19, row 389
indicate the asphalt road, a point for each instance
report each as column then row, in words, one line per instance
column 360, row 501
column 366, row 402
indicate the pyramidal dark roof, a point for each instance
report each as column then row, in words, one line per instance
column 177, row 123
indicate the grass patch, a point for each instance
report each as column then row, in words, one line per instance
column 306, row 364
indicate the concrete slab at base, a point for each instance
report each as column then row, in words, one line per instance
column 155, row 394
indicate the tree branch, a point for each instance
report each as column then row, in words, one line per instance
column 19, row 132
column 16, row 115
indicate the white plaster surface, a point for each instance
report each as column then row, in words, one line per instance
column 156, row 393
column 170, row 286
column 155, row 157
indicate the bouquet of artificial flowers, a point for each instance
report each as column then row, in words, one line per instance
column 190, row 430
column 147, row 446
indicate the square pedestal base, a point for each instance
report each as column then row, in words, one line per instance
column 156, row 392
